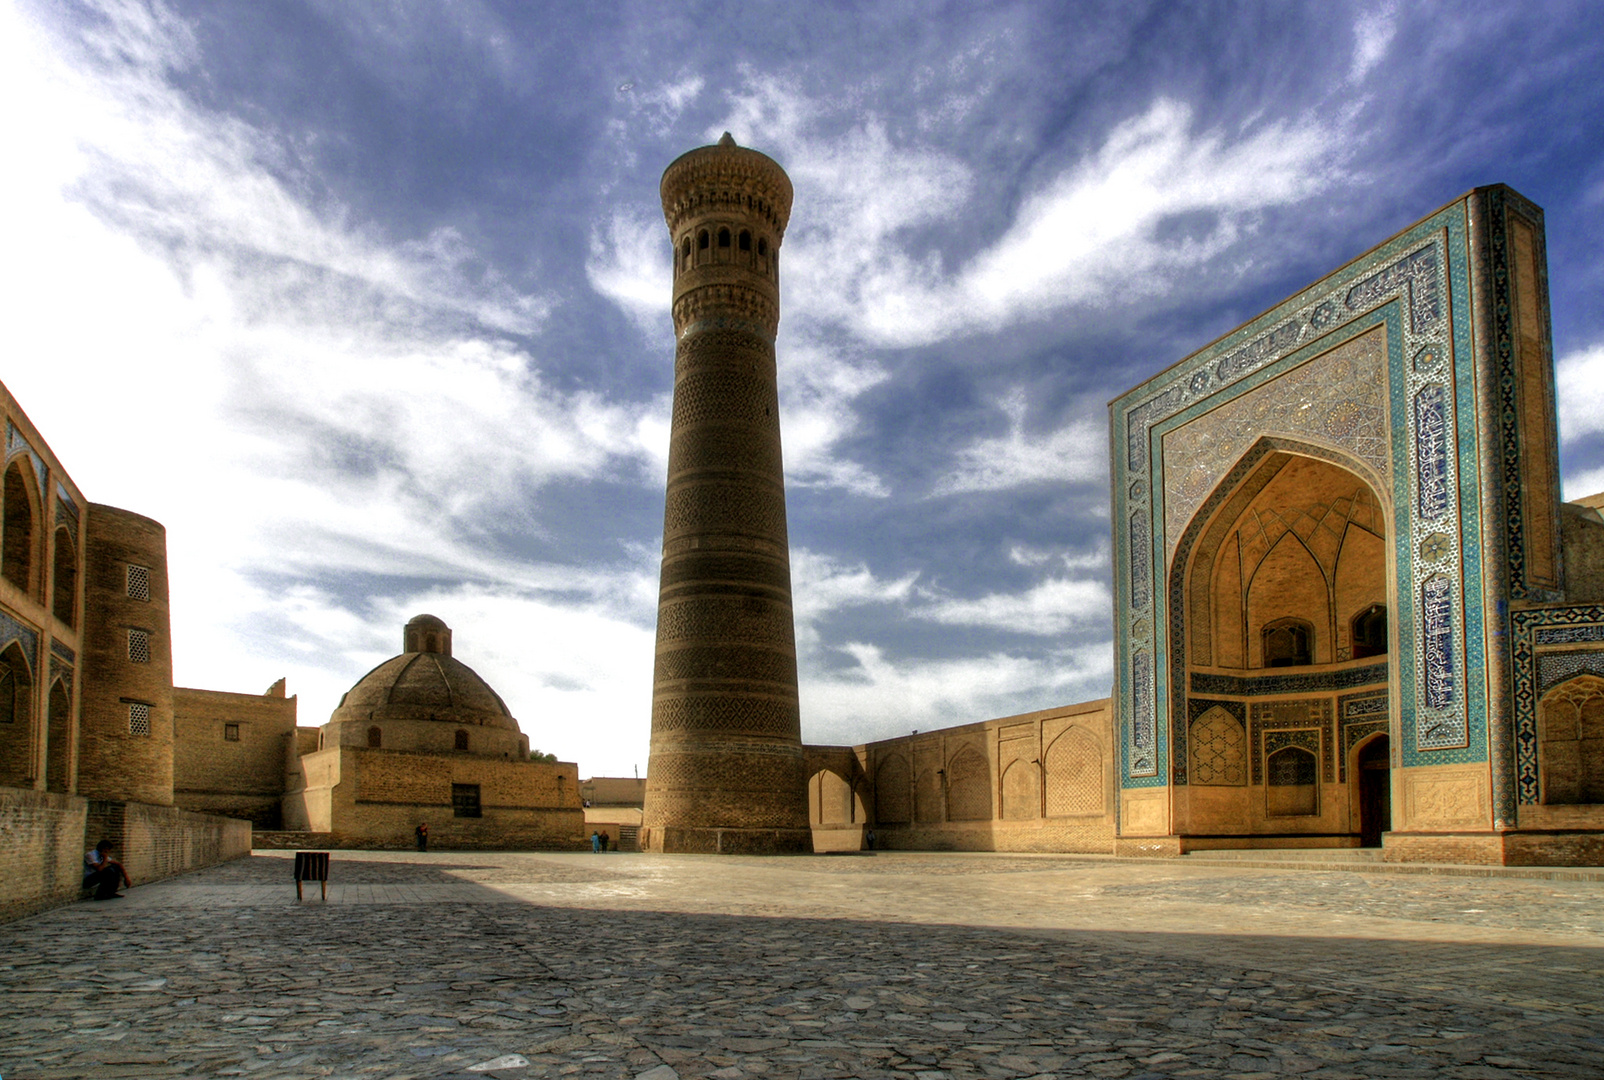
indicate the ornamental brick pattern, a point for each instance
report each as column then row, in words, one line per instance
column 726, row 772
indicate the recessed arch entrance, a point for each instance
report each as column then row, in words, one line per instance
column 1279, row 586
column 1372, row 772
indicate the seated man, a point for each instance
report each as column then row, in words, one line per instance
column 103, row 873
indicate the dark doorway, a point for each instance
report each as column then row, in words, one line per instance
column 1375, row 790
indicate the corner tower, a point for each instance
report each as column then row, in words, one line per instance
column 726, row 771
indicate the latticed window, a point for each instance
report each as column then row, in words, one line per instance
column 138, row 582
column 138, row 646
column 465, row 800
column 231, row 733
column 138, row 718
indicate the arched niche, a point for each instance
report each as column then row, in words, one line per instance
column 17, row 737
column 1291, row 783
column 1295, row 532
column 968, row 786
column 1021, row 791
column 58, row 739
column 1218, row 745
column 64, row 579
column 892, row 781
column 1074, row 774
column 1570, row 742
column 20, row 527
column 832, row 801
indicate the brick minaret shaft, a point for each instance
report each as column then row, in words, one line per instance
column 726, row 771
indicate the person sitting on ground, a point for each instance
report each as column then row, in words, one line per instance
column 103, row 873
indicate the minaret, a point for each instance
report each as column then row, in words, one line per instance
column 726, row 770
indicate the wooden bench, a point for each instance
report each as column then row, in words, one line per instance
column 312, row 866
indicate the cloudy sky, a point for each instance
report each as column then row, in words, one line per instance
column 367, row 302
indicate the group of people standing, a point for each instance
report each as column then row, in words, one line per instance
column 599, row 840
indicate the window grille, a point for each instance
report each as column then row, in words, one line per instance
column 138, row 647
column 138, row 582
column 231, row 733
column 138, row 718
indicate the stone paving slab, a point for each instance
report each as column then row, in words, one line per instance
column 913, row 967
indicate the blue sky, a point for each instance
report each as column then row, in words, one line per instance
column 367, row 303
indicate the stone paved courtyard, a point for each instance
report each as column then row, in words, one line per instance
column 890, row 965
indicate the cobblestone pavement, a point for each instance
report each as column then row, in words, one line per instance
column 923, row 967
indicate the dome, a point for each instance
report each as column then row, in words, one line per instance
column 425, row 683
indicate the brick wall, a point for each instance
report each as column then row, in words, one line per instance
column 155, row 842
column 243, row 777
column 43, row 838
column 1040, row 781
column 41, row 848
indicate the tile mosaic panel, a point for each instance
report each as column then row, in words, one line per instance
column 1359, row 716
column 1585, row 619
column 1431, row 452
column 1197, row 707
column 26, row 637
column 17, row 443
column 1437, row 617
column 1144, row 758
column 59, row 670
column 1339, row 397
column 1314, row 682
column 62, row 650
column 1555, row 667
column 1500, row 201
column 1567, row 635
column 1312, row 715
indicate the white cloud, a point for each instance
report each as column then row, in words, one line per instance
column 1157, row 200
column 1050, row 607
column 630, row 264
column 1372, row 35
column 821, row 584
column 817, row 388
column 1579, row 384
column 1027, row 555
column 1075, row 453
column 878, row 698
column 1579, row 393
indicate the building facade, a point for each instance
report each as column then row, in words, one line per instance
column 422, row 739
column 1350, row 606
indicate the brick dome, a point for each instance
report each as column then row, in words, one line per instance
column 425, row 683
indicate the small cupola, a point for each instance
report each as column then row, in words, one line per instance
column 427, row 634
